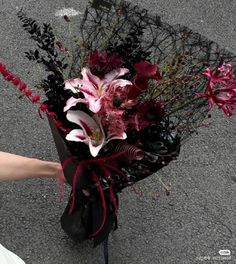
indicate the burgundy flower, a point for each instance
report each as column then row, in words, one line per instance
column 101, row 63
column 145, row 71
column 148, row 113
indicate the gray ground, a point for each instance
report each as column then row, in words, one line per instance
column 192, row 224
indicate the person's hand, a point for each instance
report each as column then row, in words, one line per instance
column 15, row 167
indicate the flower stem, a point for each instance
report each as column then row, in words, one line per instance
column 183, row 106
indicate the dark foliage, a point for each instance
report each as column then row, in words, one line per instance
column 47, row 55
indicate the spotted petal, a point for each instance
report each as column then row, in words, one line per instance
column 73, row 85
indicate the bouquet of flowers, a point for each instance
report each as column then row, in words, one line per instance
column 133, row 89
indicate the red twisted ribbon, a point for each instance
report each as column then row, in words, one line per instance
column 107, row 170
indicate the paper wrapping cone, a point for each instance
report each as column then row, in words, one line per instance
column 87, row 215
column 63, row 152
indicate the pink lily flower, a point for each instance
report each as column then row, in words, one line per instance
column 91, row 132
column 94, row 88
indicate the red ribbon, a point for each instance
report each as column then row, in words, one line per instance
column 107, row 170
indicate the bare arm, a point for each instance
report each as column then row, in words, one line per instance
column 14, row 167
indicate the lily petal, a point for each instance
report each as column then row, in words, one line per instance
column 76, row 135
column 113, row 136
column 88, row 78
column 72, row 102
column 94, row 149
column 115, row 74
column 86, row 122
column 73, row 85
column 119, row 83
column 94, row 104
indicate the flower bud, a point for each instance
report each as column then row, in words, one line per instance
column 22, row 86
column 28, row 92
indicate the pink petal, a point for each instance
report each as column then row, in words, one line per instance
column 211, row 104
column 208, row 72
column 72, row 84
column 87, row 91
column 94, row 104
column 72, row 102
column 119, row 83
column 115, row 74
column 89, row 78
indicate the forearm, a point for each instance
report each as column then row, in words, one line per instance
column 14, row 167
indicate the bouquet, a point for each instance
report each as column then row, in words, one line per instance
column 121, row 101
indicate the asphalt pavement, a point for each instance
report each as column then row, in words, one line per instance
column 189, row 226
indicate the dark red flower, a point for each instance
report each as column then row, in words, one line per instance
column 148, row 113
column 101, row 63
column 145, row 71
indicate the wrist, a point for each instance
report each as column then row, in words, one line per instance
column 47, row 169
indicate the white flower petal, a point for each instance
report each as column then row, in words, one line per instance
column 112, row 136
column 76, row 135
column 86, row 122
column 94, row 150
